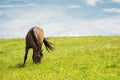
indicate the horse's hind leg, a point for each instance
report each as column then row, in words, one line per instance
column 25, row 57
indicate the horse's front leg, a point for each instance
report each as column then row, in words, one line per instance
column 34, row 55
column 26, row 53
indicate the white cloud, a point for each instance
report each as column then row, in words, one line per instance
column 74, row 6
column 52, row 0
column 16, row 6
column 109, row 26
column 105, row 26
column 118, row 1
column 112, row 10
column 21, row 20
column 92, row 2
column 56, row 22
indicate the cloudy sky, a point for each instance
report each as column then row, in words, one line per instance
column 60, row 17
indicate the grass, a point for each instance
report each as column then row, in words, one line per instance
column 74, row 58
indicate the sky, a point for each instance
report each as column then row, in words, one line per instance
column 60, row 17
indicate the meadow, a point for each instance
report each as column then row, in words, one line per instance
column 74, row 58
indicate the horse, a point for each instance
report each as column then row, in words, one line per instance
column 34, row 39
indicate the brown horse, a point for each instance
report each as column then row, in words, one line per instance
column 35, row 39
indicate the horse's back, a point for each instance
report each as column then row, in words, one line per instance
column 39, row 35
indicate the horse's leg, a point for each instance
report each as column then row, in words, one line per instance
column 34, row 55
column 41, row 51
column 25, row 57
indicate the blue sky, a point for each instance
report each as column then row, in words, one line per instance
column 60, row 17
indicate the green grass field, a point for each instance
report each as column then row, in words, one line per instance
column 74, row 58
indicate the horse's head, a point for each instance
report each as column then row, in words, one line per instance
column 38, row 56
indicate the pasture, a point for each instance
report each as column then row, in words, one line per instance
column 74, row 58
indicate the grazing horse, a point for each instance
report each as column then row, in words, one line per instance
column 35, row 39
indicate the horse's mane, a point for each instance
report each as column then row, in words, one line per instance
column 35, row 39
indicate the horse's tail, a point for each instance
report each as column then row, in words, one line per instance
column 35, row 39
column 48, row 45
